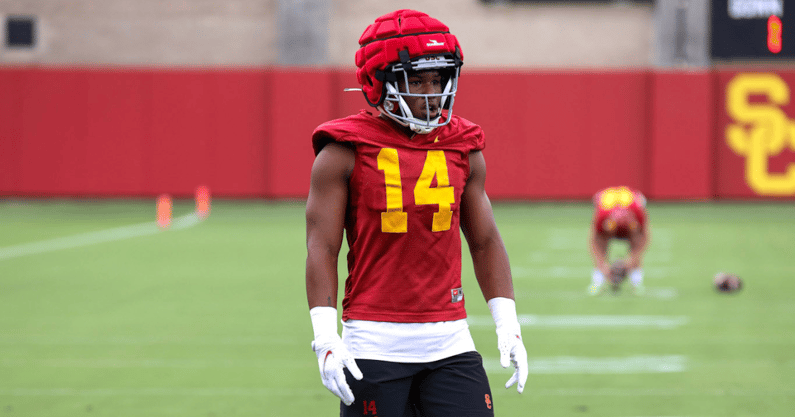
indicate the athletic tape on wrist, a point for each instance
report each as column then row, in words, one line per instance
column 503, row 311
column 324, row 321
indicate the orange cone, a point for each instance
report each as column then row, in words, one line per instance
column 202, row 202
column 164, row 211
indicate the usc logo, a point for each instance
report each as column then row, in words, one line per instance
column 761, row 130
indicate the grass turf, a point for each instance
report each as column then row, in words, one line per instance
column 212, row 320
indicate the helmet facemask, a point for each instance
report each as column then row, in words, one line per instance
column 396, row 90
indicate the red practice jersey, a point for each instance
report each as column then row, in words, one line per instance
column 614, row 199
column 402, row 221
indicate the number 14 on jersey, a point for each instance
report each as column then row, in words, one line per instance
column 394, row 219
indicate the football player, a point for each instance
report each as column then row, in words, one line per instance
column 619, row 214
column 399, row 183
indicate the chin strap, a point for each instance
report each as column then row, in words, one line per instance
column 423, row 130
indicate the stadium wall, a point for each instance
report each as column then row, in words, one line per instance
column 699, row 135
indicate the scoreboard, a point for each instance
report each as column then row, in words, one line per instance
column 753, row 29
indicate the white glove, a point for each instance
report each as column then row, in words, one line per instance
column 509, row 340
column 332, row 355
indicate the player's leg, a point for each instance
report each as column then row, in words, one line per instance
column 636, row 278
column 456, row 386
column 383, row 392
column 599, row 252
column 597, row 282
column 637, row 245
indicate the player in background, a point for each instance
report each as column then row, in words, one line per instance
column 400, row 183
column 619, row 214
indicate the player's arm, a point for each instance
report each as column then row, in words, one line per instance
column 598, row 245
column 492, row 269
column 325, row 220
column 637, row 247
column 489, row 257
column 639, row 241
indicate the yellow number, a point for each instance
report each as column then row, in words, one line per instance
column 616, row 196
column 395, row 220
column 442, row 194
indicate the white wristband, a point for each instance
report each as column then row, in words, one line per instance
column 503, row 311
column 324, row 321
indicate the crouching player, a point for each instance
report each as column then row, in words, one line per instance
column 619, row 214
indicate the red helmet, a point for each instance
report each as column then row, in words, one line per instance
column 400, row 43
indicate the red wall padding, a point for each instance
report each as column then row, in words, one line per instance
column 763, row 105
column 558, row 135
column 132, row 133
column 679, row 147
column 245, row 132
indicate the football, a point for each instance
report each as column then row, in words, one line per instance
column 618, row 273
column 727, row 283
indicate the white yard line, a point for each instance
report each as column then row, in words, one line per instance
column 155, row 392
column 659, row 293
column 580, row 365
column 583, row 273
column 635, row 364
column 47, row 340
column 595, row 321
column 93, row 238
column 147, row 363
column 303, row 393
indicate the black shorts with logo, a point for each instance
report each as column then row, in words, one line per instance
column 455, row 386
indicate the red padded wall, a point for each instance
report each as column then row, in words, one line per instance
column 680, row 153
column 768, row 98
column 246, row 132
column 133, row 132
column 558, row 135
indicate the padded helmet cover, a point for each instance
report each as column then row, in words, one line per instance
column 382, row 41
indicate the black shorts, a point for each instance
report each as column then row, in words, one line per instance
column 455, row 386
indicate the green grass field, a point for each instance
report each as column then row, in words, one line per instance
column 101, row 314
